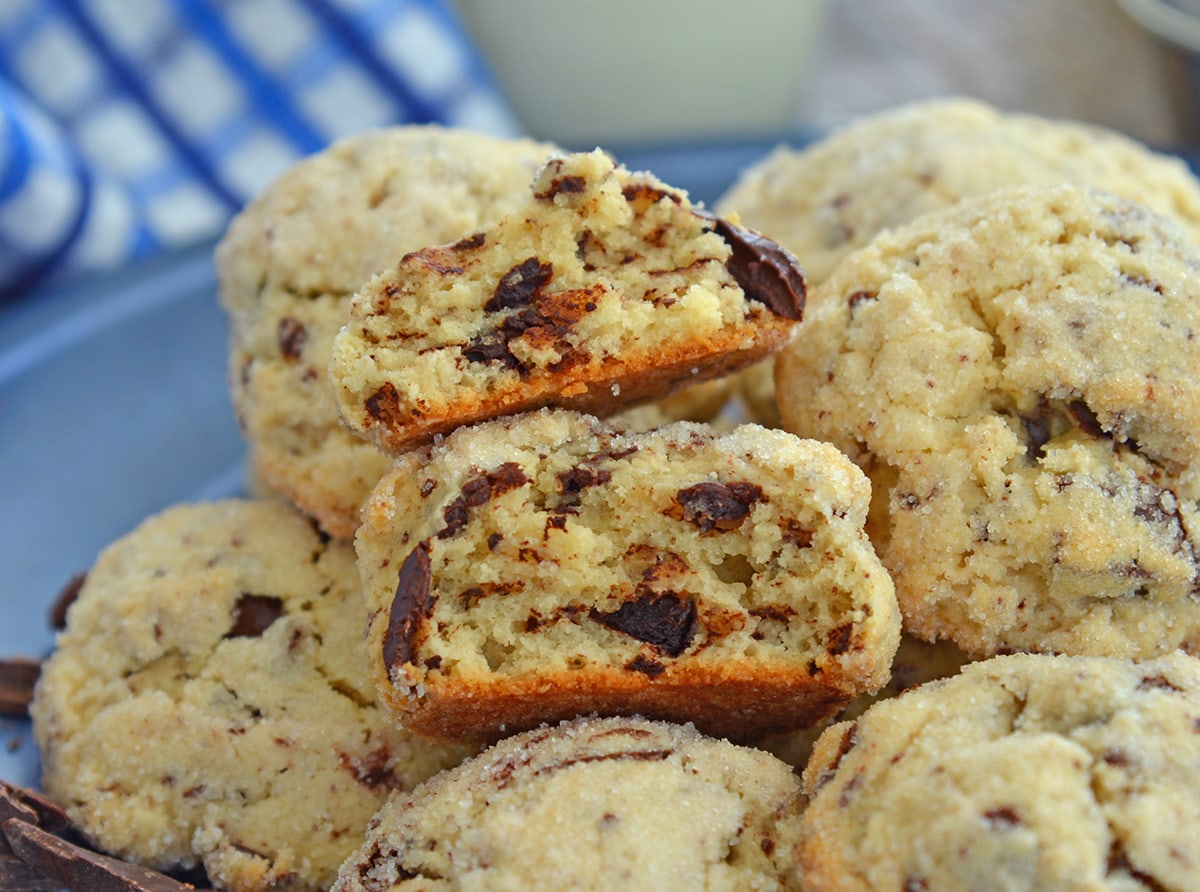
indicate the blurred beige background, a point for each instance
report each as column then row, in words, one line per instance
column 1084, row 59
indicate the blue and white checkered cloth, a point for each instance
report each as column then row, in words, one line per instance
column 131, row 126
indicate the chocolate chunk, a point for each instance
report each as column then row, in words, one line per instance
column 715, row 506
column 78, row 869
column 1161, row 682
column 857, row 297
column 573, row 481
column 648, row 667
column 1002, row 818
column 477, row 491
column 1086, row 419
column 491, row 346
column 470, row 243
column 58, row 610
column 17, row 678
column 644, row 195
column 571, row 185
column 520, row 285
column 291, row 335
column 253, row 615
column 1037, row 435
column 838, row 639
column 384, row 406
column 767, row 272
column 412, row 604
column 373, row 769
column 666, row 621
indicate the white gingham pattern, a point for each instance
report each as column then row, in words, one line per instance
column 130, row 126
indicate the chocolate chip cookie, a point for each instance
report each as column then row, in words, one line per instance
column 829, row 198
column 1020, row 378
column 548, row 565
column 606, row 289
column 289, row 264
column 1030, row 772
column 209, row 701
column 604, row 804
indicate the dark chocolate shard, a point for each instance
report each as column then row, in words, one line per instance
column 17, row 876
column 254, row 614
column 767, row 271
column 667, row 621
column 411, row 605
column 520, row 285
column 715, row 506
column 17, row 678
column 76, row 868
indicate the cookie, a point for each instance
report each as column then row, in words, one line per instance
column 289, row 264
column 1020, row 377
column 915, row 663
column 548, row 565
column 209, row 701
column 1030, row 772
column 605, row 289
column 829, row 198
column 595, row 803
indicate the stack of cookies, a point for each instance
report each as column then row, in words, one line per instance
column 601, row 541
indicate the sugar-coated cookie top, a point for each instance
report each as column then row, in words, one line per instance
column 209, row 702
column 1020, row 376
column 827, row 199
column 604, row 804
column 1031, row 772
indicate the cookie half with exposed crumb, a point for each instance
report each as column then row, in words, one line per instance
column 1029, row 772
column 289, row 264
column 594, row 803
column 547, row 565
column 608, row 288
column 209, row 703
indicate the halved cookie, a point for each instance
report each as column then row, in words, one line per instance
column 548, row 565
column 608, row 288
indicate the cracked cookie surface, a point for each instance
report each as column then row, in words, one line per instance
column 209, row 703
column 1026, row 772
column 1020, row 378
column 617, row 803
column 289, row 264
column 826, row 200
column 550, row 565
column 606, row 289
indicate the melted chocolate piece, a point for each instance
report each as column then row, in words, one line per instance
column 767, row 272
column 648, row 667
column 412, row 603
column 478, row 491
column 384, row 406
column 253, row 615
column 666, row 621
column 291, row 335
column 17, row 678
column 520, row 285
column 715, row 506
